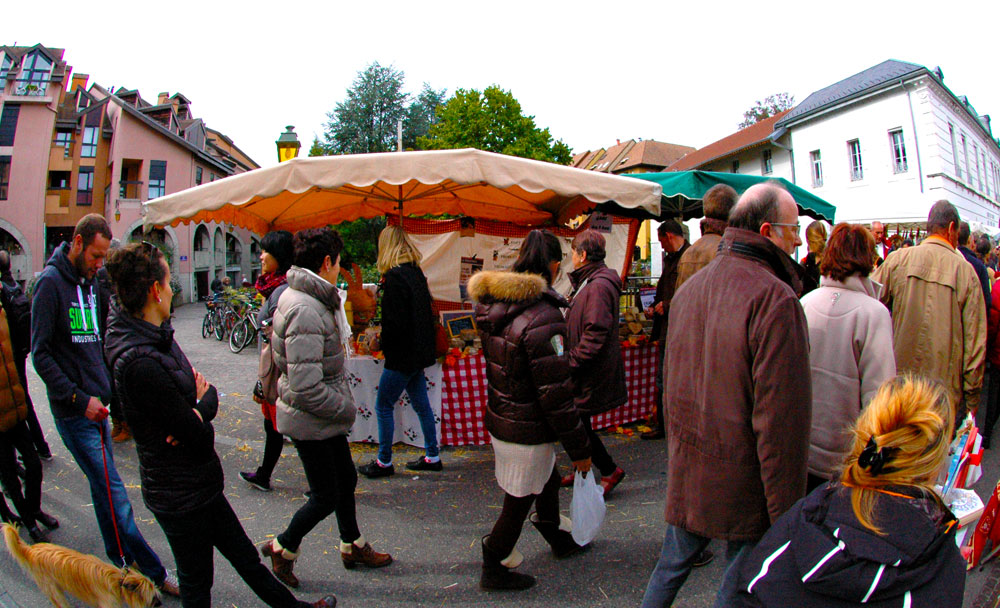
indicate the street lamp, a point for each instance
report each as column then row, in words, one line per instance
column 288, row 144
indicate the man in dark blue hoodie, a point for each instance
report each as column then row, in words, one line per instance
column 68, row 355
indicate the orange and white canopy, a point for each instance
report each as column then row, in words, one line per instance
column 311, row 192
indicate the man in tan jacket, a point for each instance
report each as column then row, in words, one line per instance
column 717, row 203
column 936, row 302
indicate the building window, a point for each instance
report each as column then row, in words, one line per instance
column 766, row 168
column 736, row 166
column 157, row 178
column 34, row 75
column 4, row 176
column 89, row 147
column 85, row 186
column 107, row 197
column 817, row 168
column 4, row 66
column 197, row 176
column 212, row 176
column 968, row 168
column 854, row 153
column 980, row 173
column 59, row 180
column 8, row 123
column 898, row 151
column 954, row 150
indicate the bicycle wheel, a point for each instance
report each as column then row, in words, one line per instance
column 238, row 339
column 220, row 327
column 206, row 325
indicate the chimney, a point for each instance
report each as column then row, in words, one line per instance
column 79, row 81
column 162, row 98
column 618, row 142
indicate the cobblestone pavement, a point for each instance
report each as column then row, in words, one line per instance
column 431, row 523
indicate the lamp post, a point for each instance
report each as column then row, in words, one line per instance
column 288, row 144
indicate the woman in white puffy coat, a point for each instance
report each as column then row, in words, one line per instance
column 850, row 346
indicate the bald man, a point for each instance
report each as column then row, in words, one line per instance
column 882, row 246
column 738, row 400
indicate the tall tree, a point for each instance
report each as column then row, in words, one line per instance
column 317, row 149
column 366, row 121
column 771, row 105
column 493, row 121
column 420, row 115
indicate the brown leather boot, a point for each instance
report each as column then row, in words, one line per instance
column 282, row 562
column 352, row 555
column 120, row 433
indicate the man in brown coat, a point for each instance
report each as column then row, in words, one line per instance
column 936, row 302
column 738, row 397
column 716, row 204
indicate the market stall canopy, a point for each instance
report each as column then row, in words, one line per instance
column 683, row 191
column 312, row 192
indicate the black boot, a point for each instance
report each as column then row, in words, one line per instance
column 498, row 576
column 557, row 536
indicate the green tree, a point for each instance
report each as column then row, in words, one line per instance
column 771, row 105
column 420, row 115
column 492, row 121
column 360, row 241
column 317, row 148
column 366, row 121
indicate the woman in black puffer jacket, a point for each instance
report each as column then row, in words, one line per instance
column 530, row 404
column 169, row 407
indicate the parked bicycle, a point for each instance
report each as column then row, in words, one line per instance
column 212, row 317
column 247, row 329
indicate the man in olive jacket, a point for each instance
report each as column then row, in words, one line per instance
column 938, row 317
column 738, row 399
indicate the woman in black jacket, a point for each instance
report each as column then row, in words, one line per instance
column 530, row 404
column 169, row 407
column 408, row 346
column 880, row 536
column 276, row 258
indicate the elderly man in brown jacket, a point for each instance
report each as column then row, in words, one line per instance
column 738, row 396
column 716, row 204
column 936, row 302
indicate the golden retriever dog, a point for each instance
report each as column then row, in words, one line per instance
column 58, row 571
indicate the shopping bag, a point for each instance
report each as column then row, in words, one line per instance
column 587, row 508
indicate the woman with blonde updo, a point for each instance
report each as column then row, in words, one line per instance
column 880, row 535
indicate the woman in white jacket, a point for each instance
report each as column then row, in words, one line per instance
column 850, row 346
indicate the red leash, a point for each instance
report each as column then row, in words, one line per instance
column 111, row 503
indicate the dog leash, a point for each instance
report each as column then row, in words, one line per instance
column 111, row 505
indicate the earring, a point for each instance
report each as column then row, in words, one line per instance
column 157, row 299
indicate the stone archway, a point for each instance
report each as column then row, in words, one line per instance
column 21, row 262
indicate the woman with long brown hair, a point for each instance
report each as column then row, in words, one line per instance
column 880, row 535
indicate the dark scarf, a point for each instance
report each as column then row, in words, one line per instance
column 267, row 283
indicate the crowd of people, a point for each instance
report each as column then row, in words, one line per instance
column 806, row 408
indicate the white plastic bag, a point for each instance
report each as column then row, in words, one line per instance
column 587, row 508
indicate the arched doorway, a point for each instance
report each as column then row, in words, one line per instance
column 234, row 259
column 202, row 260
column 20, row 262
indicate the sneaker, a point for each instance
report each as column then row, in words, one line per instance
column 263, row 485
column 45, row 454
column 373, row 470
column 704, row 558
column 170, row 586
column 327, row 602
column 422, row 464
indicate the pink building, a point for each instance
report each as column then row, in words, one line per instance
column 67, row 150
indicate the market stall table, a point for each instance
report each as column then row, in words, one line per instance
column 458, row 398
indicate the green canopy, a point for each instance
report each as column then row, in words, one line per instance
column 683, row 191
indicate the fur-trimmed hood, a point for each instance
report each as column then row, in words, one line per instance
column 491, row 285
column 501, row 296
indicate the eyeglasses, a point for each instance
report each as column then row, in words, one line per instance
column 150, row 249
column 797, row 226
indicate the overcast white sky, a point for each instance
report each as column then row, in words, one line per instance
column 592, row 72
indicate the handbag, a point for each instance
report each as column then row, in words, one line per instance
column 267, row 372
column 587, row 508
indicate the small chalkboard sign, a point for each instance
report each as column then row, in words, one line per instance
column 457, row 324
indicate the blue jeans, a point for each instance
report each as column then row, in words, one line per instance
column 82, row 438
column 680, row 548
column 390, row 386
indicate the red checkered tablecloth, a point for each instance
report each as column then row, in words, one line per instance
column 640, row 378
column 463, row 398
column 463, row 403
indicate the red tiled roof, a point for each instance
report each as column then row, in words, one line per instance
column 754, row 134
column 654, row 154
